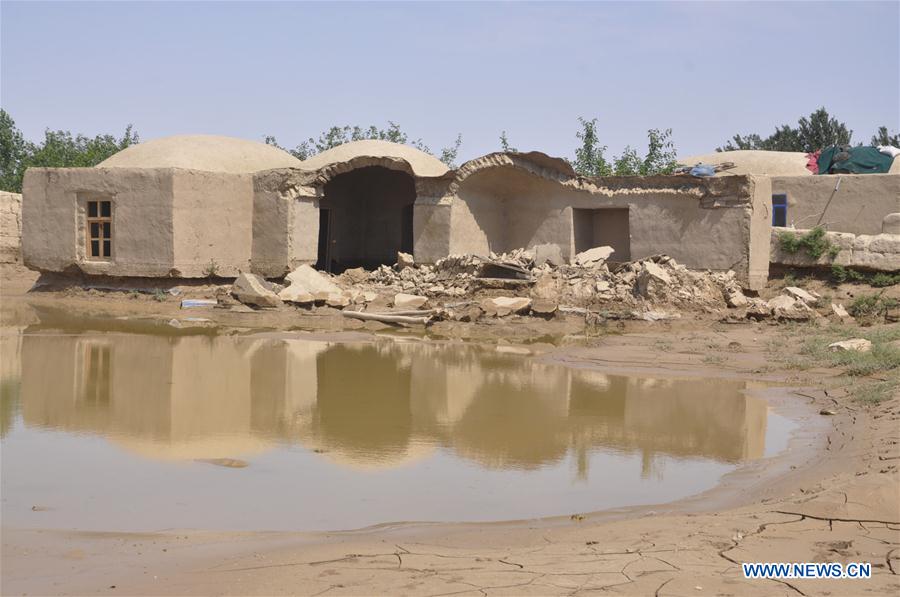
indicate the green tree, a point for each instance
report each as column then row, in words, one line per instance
column 821, row 130
column 448, row 154
column 628, row 164
column 589, row 157
column 504, row 144
column 338, row 135
column 661, row 156
column 59, row 149
column 882, row 137
column 814, row 132
column 13, row 151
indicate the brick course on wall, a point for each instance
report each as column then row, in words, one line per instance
column 875, row 252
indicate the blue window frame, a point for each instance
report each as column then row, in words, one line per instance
column 779, row 210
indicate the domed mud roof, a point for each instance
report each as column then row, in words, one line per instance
column 421, row 163
column 750, row 161
column 211, row 153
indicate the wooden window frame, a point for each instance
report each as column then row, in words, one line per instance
column 105, row 230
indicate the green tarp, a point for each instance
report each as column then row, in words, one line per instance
column 863, row 160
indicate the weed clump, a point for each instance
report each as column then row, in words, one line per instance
column 814, row 243
column 871, row 307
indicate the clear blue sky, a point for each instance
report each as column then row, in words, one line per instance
column 705, row 69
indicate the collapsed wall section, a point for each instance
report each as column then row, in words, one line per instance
column 718, row 224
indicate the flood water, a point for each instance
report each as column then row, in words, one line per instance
column 126, row 432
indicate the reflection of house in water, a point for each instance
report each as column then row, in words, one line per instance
column 371, row 404
column 10, row 369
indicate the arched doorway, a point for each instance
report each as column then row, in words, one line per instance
column 365, row 218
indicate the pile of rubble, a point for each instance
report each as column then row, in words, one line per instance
column 793, row 304
column 588, row 282
column 538, row 282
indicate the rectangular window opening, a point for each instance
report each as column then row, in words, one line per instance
column 99, row 230
column 779, row 210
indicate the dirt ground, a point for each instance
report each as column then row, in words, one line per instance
column 834, row 496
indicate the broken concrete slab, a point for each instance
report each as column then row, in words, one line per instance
column 787, row 307
column 356, row 275
column 851, row 345
column 308, row 279
column 839, row 310
column 505, row 305
column 594, row 256
column 296, row 294
column 251, row 289
column 404, row 260
column 542, row 306
column 652, row 278
column 409, row 301
column 798, row 293
column 338, row 300
column 735, row 298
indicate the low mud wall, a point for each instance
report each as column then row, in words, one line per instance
column 10, row 227
column 854, row 203
column 874, row 252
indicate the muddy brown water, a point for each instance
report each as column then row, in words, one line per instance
column 116, row 431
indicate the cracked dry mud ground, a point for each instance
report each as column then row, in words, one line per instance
column 843, row 508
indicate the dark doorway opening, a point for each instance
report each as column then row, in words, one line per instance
column 603, row 228
column 365, row 218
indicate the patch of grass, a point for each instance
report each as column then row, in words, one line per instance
column 875, row 392
column 841, row 274
column 814, row 243
column 662, row 345
column 212, row 269
column 159, row 295
column 714, row 359
column 870, row 307
column 884, row 357
column 882, row 280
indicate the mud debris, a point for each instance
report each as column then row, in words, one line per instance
column 537, row 283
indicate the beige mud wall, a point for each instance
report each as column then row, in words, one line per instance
column 270, row 242
column 285, row 222
column 858, row 205
column 53, row 214
column 10, row 227
column 303, row 232
column 212, row 223
column 432, row 221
